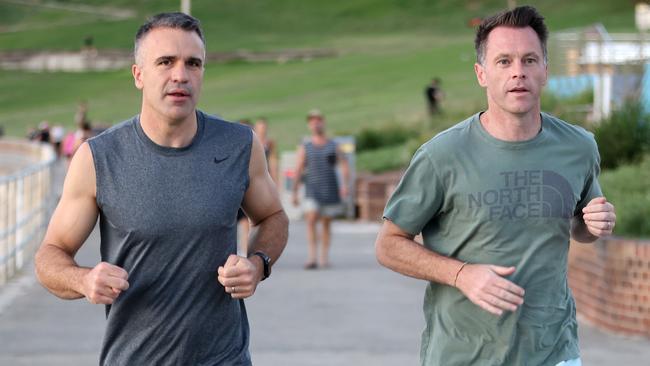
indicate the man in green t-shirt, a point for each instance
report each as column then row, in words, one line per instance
column 497, row 198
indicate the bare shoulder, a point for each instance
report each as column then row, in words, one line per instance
column 80, row 179
column 258, row 158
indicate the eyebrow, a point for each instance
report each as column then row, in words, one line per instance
column 174, row 58
column 508, row 55
column 165, row 58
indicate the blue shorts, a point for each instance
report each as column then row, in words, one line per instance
column 574, row 362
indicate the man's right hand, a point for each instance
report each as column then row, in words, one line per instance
column 104, row 283
column 485, row 286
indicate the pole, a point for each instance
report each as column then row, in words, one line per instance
column 186, row 5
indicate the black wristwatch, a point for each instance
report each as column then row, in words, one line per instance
column 267, row 263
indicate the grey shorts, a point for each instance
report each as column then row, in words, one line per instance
column 328, row 210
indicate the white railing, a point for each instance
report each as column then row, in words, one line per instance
column 26, row 202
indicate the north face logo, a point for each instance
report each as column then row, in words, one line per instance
column 526, row 194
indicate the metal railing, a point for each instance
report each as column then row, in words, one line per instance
column 26, row 202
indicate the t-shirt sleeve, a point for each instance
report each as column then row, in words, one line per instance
column 418, row 196
column 591, row 188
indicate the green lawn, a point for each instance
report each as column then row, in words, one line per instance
column 265, row 24
column 388, row 50
column 362, row 87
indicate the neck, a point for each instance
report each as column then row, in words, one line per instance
column 510, row 127
column 318, row 138
column 169, row 133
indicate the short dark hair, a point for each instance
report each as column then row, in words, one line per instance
column 175, row 20
column 519, row 17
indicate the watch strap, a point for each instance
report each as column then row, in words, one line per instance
column 267, row 263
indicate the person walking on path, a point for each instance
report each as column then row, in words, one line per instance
column 318, row 159
column 261, row 129
column 433, row 95
column 496, row 198
column 166, row 186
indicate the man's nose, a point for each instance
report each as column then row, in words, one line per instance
column 518, row 70
column 179, row 73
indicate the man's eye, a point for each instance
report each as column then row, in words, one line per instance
column 503, row 62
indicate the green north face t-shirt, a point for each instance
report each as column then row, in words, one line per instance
column 483, row 200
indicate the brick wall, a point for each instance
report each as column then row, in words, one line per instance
column 610, row 281
column 372, row 193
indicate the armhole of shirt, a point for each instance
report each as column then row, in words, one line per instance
column 249, row 133
column 91, row 146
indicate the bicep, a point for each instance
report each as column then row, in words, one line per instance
column 76, row 213
column 261, row 199
column 391, row 230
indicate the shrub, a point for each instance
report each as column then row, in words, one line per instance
column 624, row 137
column 383, row 159
column 628, row 188
column 390, row 135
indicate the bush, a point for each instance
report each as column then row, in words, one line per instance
column 624, row 137
column 628, row 188
column 383, row 159
column 391, row 135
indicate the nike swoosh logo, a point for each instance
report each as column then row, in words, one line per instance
column 217, row 161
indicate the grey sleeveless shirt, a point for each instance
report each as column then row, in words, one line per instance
column 321, row 183
column 168, row 217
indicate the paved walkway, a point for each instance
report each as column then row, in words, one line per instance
column 355, row 313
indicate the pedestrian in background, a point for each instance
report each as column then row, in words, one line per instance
column 318, row 159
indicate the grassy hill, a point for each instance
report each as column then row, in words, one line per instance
column 388, row 51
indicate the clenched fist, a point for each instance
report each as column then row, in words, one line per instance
column 104, row 283
column 599, row 217
column 239, row 276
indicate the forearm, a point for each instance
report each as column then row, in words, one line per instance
column 405, row 256
column 57, row 271
column 296, row 181
column 579, row 231
column 270, row 235
column 345, row 173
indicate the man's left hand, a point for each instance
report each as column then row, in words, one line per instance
column 239, row 276
column 599, row 217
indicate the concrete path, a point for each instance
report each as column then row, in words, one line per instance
column 355, row 313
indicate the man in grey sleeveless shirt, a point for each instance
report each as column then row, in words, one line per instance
column 166, row 186
column 318, row 158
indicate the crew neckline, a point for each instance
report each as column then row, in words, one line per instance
column 167, row 150
column 511, row 145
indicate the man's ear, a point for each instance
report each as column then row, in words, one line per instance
column 479, row 70
column 137, row 76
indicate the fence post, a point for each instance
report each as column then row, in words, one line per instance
column 4, row 247
column 11, row 227
column 20, row 224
